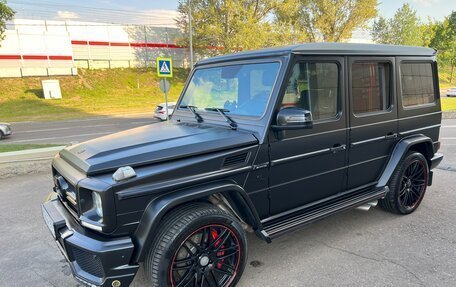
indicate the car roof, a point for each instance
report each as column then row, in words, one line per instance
column 341, row 49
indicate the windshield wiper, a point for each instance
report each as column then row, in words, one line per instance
column 197, row 116
column 230, row 121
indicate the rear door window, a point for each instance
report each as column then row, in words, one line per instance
column 371, row 87
column 417, row 82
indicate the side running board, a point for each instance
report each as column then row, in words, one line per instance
column 300, row 219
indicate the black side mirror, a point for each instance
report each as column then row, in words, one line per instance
column 293, row 119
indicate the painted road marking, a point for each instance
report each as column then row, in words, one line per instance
column 119, row 116
column 66, row 128
column 82, row 127
column 64, row 137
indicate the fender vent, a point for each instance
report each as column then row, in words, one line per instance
column 235, row 159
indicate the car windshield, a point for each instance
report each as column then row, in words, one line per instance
column 237, row 89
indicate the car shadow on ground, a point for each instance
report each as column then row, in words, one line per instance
column 316, row 238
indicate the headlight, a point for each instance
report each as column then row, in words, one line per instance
column 97, row 204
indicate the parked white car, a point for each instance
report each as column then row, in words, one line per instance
column 451, row 92
column 160, row 111
column 5, row 130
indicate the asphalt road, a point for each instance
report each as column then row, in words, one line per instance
column 355, row 248
column 64, row 132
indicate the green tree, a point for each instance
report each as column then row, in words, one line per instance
column 6, row 14
column 227, row 25
column 381, row 32
column 428, row 32
column 404, row 28
column 326, row 20
column 444, row 40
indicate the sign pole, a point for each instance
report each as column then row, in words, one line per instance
column 190, row 32
column 166, row 100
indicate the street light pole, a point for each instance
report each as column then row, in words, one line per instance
column 190, row 33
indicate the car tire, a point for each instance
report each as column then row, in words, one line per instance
column 408, row 185
column 1, row 135
column 197, row 242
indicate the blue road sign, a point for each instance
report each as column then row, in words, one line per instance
column 165, row 67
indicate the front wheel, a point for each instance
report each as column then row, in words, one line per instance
column 197, row 245
column 408, row 185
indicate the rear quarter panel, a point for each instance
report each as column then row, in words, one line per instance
column 421, row 119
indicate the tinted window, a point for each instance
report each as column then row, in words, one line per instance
column 240, row 89
column 417, row 84
column 314, row 87
column 370, row 87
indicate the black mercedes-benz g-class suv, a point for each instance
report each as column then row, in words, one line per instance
column 263, row 141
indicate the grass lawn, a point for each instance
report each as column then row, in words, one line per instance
column 107, row 92
column 91, row 93
column 446, row 79
column 448, row 104
column 18, row 147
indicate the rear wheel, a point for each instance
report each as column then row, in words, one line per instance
column 197, row 245
column 408, row 185
column 1, row 135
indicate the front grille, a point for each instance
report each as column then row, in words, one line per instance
column 66, row 192
column 89, row 262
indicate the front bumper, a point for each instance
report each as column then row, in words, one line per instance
column 7, row 132
column 94, row 260
column 160, row 116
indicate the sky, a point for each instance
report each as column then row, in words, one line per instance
column 162, row 12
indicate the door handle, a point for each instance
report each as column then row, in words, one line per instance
column 338, row 148
column 391, row 136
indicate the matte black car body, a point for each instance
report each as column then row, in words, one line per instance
column 275, row 181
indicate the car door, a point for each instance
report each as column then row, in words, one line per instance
column 310, row 164
column 373, row 118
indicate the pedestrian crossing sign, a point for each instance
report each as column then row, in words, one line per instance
column 165, row 67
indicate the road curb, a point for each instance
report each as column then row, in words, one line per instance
column 29, row 155
column 449, row 115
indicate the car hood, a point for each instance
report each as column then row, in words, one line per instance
column 152, row 144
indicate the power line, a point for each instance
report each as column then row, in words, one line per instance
column 46, row 9
column 89, row 25
column 90, row 9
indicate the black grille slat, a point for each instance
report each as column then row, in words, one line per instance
column 88, row 262
column 235, row 159
column 64, row 194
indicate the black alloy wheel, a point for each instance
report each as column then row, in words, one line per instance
column 210, row 256
column 197, row 244
column 408, row 185
column 413, row 184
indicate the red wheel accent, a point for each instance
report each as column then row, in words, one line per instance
column 413, row 184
